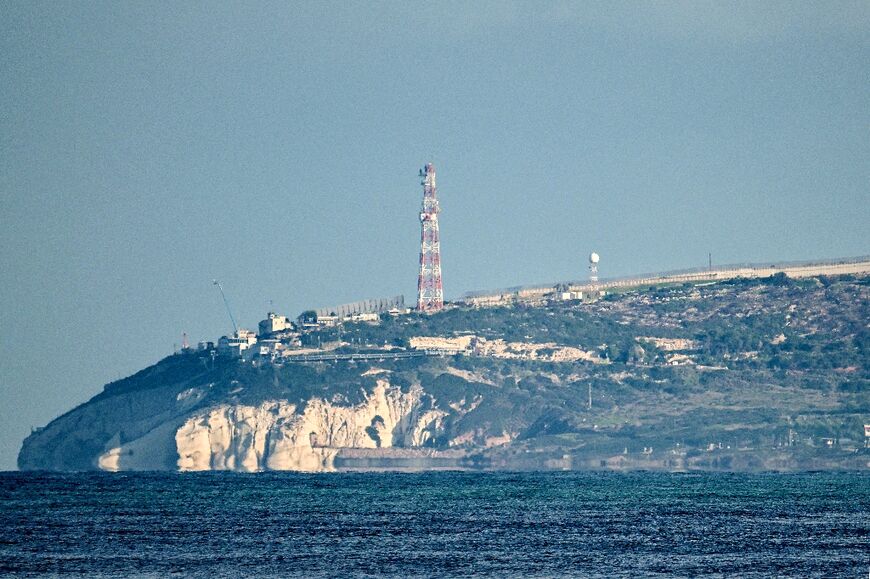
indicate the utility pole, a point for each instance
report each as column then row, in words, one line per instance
column 590, row 396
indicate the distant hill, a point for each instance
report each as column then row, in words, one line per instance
column 744, row 374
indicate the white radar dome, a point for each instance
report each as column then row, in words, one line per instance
column 593, row 257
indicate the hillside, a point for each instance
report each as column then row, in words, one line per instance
column 740, row 375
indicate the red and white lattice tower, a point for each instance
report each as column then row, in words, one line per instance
column 430, row 293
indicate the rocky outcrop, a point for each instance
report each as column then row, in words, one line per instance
column 172, row 419
column 547, row 351
column 130, row 431
column 669, row 344
column 498, row 348
column 272, row 435
column 276, row 435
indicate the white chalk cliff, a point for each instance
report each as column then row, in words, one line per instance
column 278, row 435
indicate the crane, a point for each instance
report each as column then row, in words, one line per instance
column 227, row 304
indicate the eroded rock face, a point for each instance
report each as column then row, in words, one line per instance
column 132, row 431
column 277, row 435
column 228, row 437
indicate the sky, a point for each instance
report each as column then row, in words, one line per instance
column 148, row 148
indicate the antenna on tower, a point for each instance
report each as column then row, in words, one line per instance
column 226, row 303
column 593, row 267
column 430, row 292
column 594, row 258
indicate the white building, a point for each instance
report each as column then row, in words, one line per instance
column 274, row 323
column 370, row 317
column 236, row 344
column 328, row 321
column 269, row 348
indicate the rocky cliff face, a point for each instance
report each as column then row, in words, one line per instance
column 152, row 431
column 276, row 435
column 142, row 422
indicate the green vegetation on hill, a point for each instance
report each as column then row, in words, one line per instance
column 822, row 324
column 770, row 373
column 774, row 362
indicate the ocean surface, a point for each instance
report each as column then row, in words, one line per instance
column 435, row 524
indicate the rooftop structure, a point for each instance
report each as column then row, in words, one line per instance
column 274, row 323
column 236, row 344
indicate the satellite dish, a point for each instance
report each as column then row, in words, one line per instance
column 593, row 257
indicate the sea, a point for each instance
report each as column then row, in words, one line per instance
column 435, row 524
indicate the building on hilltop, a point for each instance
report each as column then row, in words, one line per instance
column 236, row 344
column 274, row 323
column 328, row 321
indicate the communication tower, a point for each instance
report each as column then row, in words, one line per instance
column 430, row 293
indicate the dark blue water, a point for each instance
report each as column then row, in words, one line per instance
column 588, row 524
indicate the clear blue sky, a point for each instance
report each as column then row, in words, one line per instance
column 146, row 148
